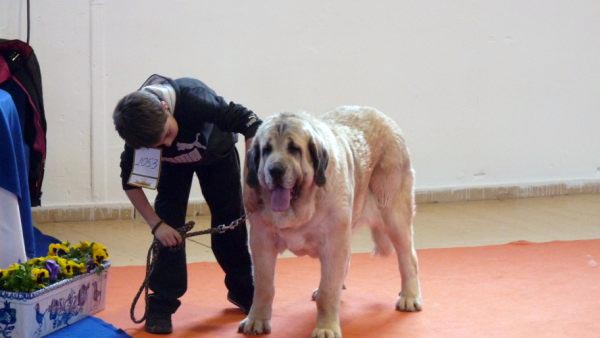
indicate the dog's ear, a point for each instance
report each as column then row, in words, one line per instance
column 252, row 162
column 320, row 159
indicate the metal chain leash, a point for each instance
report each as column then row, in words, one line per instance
column 155, row 248
column 219, row 229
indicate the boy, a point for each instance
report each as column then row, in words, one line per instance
column 195, row 129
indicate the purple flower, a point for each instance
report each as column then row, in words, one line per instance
column 90, row 265
column 53, row 268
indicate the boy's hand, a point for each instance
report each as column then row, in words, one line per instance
column 167, row 236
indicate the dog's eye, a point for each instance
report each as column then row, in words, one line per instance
column 266, row 150
column 294, row 149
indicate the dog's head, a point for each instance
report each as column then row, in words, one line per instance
column 287, row 157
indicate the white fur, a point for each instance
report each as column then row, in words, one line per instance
column 369, row 180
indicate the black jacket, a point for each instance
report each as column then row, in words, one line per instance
column 207, row 126
column 22, row 79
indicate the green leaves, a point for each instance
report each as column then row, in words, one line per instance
column 21, row 279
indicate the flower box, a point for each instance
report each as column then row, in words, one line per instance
column 36, row 314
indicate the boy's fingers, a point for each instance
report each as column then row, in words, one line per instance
column 170, row 237
column 175, row 237
column 172, row 242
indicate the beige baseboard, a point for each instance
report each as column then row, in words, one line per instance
column 108, row 212
column 125, row 211
column 507, row 192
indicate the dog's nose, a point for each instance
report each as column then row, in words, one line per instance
column 276, row 170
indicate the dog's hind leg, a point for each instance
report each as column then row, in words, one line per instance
column 371, row 216
column 398, row 218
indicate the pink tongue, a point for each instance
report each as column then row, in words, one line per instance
column 280, row 199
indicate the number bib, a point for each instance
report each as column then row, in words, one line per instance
column 146, row 168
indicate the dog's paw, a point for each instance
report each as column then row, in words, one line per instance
column 251, row 326
column 320, row 332
column 409, row 303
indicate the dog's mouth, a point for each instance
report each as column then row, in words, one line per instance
column 282, row 198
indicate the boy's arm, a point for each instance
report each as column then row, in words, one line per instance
column 248, row 143
column 164, row 233
column 209, row 107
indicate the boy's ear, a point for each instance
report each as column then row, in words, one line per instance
column 165, row 107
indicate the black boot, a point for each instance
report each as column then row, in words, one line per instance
column 160, row 324
column 241, row 291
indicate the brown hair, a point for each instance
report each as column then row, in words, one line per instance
column 140, row 119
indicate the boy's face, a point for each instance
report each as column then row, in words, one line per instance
column 170, row 131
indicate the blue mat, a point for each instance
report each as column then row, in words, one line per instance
column 89, row 327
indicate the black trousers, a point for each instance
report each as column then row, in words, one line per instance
column 220, row 183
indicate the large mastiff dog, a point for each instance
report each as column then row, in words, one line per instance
column 309, row 182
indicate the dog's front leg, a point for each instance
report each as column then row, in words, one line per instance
column 334, row 258
column 264, row 257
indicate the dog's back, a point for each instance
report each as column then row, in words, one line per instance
column 382, row 170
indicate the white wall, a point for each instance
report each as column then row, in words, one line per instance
column 487, row 92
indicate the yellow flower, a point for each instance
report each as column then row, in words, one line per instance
column 83, row 245
column 78, row 268
column 37, row 261
column 56, row 249
column 40, row 275
column 69, row 270
column 99, row 252
column 14, row 266
column 3, row 273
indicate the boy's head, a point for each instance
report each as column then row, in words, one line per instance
column 140, row 119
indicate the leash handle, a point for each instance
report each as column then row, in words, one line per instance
column 150, row 262
column 155, row 249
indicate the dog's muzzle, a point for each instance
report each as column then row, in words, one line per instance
column 281, row 196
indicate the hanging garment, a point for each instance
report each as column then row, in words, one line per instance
column 13, row 173
column 12, row 246
column 19, row 64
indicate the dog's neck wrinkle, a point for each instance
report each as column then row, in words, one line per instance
column 298, row 215
column 299, row 240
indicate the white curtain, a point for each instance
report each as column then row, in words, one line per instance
column 12, row 246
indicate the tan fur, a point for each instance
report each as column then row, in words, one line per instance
column 368, row 179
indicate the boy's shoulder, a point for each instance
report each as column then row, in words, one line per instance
column 194, row 94
column 191, row 83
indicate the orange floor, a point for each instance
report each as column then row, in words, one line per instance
column 514, row 290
